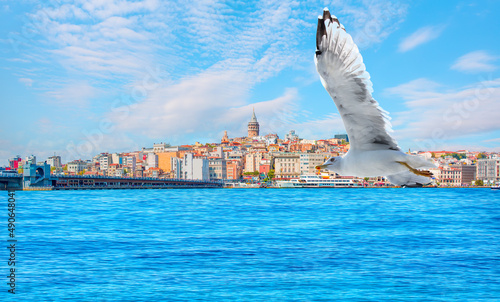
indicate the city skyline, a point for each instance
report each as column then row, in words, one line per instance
column 123, row 75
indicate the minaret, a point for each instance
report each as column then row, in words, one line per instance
column 253, row 126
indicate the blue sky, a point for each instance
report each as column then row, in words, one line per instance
column 83, row 77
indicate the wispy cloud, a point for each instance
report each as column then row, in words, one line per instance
column 372, row 22
column 212, row 55
column 436, row 113
column 476, row 61
column 72, row 94
column 26, row 81
column 494, row 140
column 202, row 104
column 419, row 37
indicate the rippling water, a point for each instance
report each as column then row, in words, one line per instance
column 258, row 245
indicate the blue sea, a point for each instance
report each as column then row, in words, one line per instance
column 256, row 245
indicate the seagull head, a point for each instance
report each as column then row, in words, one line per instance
column 331, row 164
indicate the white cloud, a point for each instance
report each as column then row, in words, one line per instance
column 476, row 61
column 494, row 140
column 213, row 54
column 436, row 114
column 26, row 81
column 421, row 36
column 203, row 104
column 75, row 94
column 371, row 22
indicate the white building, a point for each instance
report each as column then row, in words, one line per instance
column 31, row 160
column 130, row 161
column 309, row 161
column 252, row 162
column 116, row 159
column 287, row 165
column 104, row 161
column 488, row 170
column 76, row 166
column 190, row 167
column 159, row 148
column 217, row 152
column 151, row 161
column 217, row 168
column 55, row 161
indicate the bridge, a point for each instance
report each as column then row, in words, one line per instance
column 11, row 181
column 76, row 182
column 38, row 177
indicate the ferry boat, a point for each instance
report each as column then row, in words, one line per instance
column 497, row 187
column 320, row 181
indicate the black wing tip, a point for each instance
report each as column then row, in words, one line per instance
column 321, row 30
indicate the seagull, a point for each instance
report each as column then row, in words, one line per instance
column 373, row 151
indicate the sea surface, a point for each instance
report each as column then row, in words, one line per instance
column 256, row 245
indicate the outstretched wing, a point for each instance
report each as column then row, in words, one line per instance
column 344, row 76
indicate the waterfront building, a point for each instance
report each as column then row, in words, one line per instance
column 76, row 166
column 253, row 126
column 217, row 168
column 190, row 167
column 14, row 163
column 252, row 162
column 104, row 161
column 152, row 172
column 286, row 165
column 116, row 158
column 151, row 160
column 488, row 170
column 309, row 161
column 265, row 166
column 112, row 169
column 130, row 161
column 55, row 161
column 234, row 169
column 165, row 160
column 454, row 175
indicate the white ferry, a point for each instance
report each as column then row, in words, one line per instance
column 320, row 181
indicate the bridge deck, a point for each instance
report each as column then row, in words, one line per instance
column 11, row 182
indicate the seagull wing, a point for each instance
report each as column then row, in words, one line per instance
column 344, row 76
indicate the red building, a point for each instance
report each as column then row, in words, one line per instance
column 14, row 163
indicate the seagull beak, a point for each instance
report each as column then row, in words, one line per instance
column 321, row 167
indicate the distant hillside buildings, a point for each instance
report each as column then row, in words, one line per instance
column 256, row 156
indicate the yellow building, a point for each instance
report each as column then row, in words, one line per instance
column 164, row 162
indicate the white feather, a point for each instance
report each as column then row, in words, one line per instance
column 344, row 76
column 373, row 151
